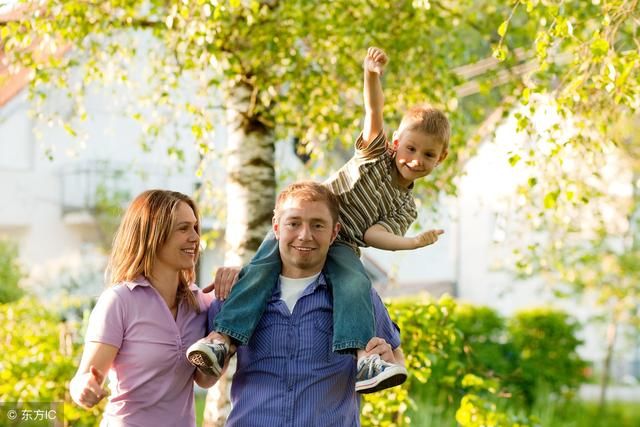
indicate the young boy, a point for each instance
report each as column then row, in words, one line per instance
column 376, row 209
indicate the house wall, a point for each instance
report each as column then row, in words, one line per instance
column 47, row 202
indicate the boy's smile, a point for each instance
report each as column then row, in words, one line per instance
column 417, row 154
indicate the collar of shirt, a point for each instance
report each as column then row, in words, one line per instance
column 311, row 288
column 143, row 281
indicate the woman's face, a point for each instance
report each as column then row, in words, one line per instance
column 181, row 248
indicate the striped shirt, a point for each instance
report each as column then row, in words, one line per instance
column 288, row 376
column 369, row 193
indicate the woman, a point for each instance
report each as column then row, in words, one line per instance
column 143, row 323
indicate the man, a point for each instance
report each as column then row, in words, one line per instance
column 288, row 374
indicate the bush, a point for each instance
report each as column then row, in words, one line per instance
column 10, row 272
column 428, row 335
column 40, row 356
column 469, row 363
column 546, row 344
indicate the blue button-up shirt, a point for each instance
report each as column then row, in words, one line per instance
column 288, row 376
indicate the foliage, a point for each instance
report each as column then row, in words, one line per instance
column 467, row 357
column 428, row 334
column 40, row 356
column 10, row 272
column 108, row 209
column 545, row 341
column 300, row 61
column 486, row 347
column 476, row 411
column 548, row 412
column 583, row 239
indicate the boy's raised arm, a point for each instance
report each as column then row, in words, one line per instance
column 374, row 64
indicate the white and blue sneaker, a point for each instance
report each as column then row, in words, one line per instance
column 374, row 374
column 208, row 357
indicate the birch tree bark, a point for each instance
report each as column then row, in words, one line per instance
column 250, row 190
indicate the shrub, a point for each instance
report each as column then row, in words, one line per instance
column 40, row 356
column 546, row 345
column 428, row 335
column 10, row 272
column 468, row 357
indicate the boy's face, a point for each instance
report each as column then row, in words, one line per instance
column 417, row 154
column 304, row 230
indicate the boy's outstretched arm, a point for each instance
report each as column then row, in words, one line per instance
column 374, row 64
column 379, row 237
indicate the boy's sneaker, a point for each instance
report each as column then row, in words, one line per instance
column 374, row 374
column 208, row 357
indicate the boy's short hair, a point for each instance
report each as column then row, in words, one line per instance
column 427, row 119
column 311, row 192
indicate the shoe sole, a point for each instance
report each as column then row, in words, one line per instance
column 391, row 377
column 202, row 357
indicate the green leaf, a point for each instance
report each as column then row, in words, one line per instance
column 500, row 52
column 526, row 93
column 502, row 29
column 599, row 47
column 69, row 129
column 550, row 199
column 513, row 160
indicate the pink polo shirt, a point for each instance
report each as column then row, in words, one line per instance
column 151, row 381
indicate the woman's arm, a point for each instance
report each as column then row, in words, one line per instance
column 86, row 386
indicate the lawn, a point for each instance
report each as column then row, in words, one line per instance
column 575, row 414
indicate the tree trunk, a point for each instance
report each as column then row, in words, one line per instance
column 612, row 330
column 250, row 190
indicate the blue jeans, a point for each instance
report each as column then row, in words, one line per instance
column 353, row 321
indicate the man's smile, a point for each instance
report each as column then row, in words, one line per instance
column 302, row 248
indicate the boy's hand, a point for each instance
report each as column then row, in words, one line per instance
column 427, row 238
column 375, row 61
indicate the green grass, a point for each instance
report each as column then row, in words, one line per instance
column 200, row 400
column 548, row 413
column 588, row 414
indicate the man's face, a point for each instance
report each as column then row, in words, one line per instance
column 305, row 230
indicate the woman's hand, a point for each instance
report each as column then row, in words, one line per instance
column 86, row 386
column 86, row 389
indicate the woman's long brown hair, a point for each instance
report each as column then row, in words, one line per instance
column 145, row 227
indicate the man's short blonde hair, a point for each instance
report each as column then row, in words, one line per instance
column 308, row 191
column 429, row 120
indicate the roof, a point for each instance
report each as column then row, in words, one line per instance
column 13, row 81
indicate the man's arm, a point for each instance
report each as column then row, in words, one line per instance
column 379, row 237
column 374, row 64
